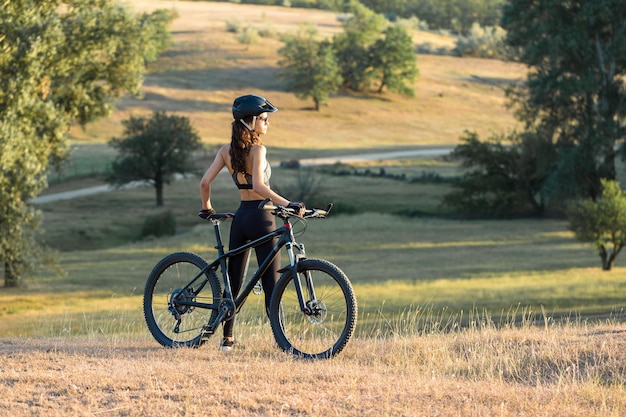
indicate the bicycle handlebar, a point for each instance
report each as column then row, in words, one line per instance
column 280, row 211
column 289, row 212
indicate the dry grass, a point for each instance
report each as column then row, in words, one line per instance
column 207, row 67
column 565, row 370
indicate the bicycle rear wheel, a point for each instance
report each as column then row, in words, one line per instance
column 173, row 324
column 325, row 329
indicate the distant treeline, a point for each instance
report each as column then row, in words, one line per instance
column 455, row 15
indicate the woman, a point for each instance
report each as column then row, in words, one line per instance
column 245, row 158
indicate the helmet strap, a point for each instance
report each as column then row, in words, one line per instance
column 246, row 125
column 253, row 132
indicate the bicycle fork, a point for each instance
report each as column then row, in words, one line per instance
column 308, row 307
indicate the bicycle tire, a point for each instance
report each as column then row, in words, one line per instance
column 169, row 275
column 314, row 336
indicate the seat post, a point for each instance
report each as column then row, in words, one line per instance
column 218, row 237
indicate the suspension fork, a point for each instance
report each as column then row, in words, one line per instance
column 294, row 259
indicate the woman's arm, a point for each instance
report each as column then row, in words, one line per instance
column 205, row 183
column 258, row 153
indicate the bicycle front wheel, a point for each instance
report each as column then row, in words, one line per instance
column 326, row 325
column 171, row 322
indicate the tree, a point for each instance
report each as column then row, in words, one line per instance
column 458, row 15
column 154, row 150
column 392, row 61
column 310, row 66
column 576, row 53
column 488, row 187
column 156, row 28
column 504, row 175
column 573, row 102
column 602, row 222
column 351, row 47
column 56, row 68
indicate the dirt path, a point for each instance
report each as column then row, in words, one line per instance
column 433, row 152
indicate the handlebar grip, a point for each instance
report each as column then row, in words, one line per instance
column 319, row 212
column 267, row 205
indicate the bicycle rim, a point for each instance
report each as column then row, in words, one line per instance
column 326, row 330
column 175, row 325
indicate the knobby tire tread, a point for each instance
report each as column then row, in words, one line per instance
column 342, row 281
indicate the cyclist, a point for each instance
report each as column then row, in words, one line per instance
column 245, row 159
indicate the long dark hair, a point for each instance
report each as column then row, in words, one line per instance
column 241, row 142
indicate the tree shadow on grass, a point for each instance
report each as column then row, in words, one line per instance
column 498, row 82
column 161, row 102
column 217, row 79
column 156, row 96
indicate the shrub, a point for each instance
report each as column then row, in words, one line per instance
column 483, row 42
column 304, row 187
column 233, row 26
column 343, row 208
column 161, row 224
column 248, row 36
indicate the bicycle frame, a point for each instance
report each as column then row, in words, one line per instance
column 228, row 302
column 186, row 300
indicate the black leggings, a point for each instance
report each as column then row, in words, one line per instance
column 249, row 224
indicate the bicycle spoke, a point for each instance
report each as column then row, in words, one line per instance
column 170, row 320
column 326, row 325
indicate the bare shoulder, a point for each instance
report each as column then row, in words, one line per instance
column 258, row 151
column 224, row 150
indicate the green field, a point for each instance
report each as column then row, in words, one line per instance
column 407, row 272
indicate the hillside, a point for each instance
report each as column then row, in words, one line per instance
column 207, row 67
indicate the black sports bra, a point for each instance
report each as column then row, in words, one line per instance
column 248, row 177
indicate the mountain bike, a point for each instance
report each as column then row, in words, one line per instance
column 312, row 312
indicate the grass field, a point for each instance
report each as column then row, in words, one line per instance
column 397, row 266
column 480, row 318
column 571, row 370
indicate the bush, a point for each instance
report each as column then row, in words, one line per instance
column 429, row 49
column 483, row 42
column 233, row 26
column 248, row 36
column 305, row 186
column 290, row 164
column 161, row 224
column 343, row 208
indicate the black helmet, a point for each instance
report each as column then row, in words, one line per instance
column 251, row 105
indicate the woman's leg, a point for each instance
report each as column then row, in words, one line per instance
column 269, row 278
column 265, row 223
column 236, row 265
column 249, row 224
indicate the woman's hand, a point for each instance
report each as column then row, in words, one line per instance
column 298, row 207
column 206, row 213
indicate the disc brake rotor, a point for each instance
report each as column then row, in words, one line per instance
column 318, row 313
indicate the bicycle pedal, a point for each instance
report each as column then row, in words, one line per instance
column 207, row 331
column 258, row 288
